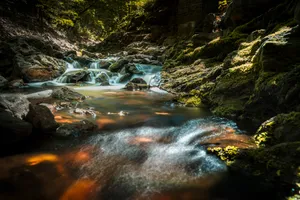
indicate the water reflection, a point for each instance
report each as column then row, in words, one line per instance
column 145, row 149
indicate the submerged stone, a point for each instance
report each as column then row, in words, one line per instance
column 75, row 129
column 67, row 94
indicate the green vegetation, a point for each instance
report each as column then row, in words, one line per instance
column 93, row 19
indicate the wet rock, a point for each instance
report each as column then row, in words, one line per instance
column 103, row 79
column 18, row 105
column 3, row 82
column 12, row 128
column 40, row 95
column 67, row 94
column 76, row 76
column 104, row 64
column 125, row 78
column 137, row 84
column 117, row 66
column 76, row 129
column 41, row 118
column 132, row 69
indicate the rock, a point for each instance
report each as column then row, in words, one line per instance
column 12, row 128
column 103, row 79
column 271, row 61
column 117, row 66
column 41, row 118
column 38, row 68
column 104, row 64
column 137, row 84
column 3, row 82
column 132, row 69
column 18, row 105
column 256, row 34
column 76, row 129
column 91, row 55
column 125, row 78
column 40, row 95
column 75, row 76
column 67, row 94
column 280, row 129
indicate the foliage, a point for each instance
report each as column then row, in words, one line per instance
column 90, row 18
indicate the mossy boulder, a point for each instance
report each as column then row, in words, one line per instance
column 278, row 164
column 279, row 129
column 117, row 66
column 227, row 154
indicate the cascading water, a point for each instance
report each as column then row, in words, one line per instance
column 95, row 74
column 151, row 160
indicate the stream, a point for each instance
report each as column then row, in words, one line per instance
column 145, row 147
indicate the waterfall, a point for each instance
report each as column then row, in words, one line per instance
column 95, row 65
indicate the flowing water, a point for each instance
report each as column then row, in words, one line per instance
column 145, row 147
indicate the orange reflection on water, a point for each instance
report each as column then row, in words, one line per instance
column 104, row 121
column 65, row 120
column 80, row 190
column 139, row 140
column 163, row 113
column 37, row 159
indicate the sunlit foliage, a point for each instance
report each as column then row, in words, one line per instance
column 89, row 18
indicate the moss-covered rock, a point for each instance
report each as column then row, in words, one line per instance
column 227, row 154
column 279, row 129
column 279, row 163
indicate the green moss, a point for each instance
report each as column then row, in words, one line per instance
column 192, row 101
column 282, row 128
column 227, row 154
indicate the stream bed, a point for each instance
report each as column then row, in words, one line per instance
column 145, row 147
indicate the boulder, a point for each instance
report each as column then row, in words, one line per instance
column 103, row 79
column 75, row 76
column 41, row 118
column 18, row 105
column 38, row 67
column 117, row 66
column 76, row 129
column 280, row 129
column 67, row 94
column 132, row 69
column 12, row 128
column 137, row 84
